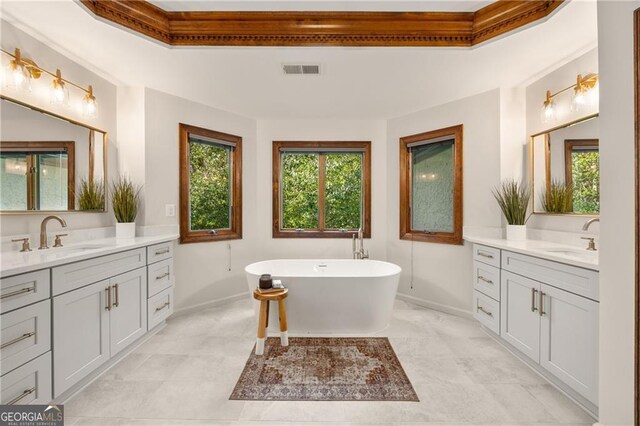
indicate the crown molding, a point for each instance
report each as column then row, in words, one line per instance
column 382, row 29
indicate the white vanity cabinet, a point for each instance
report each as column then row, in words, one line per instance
column 548, row 313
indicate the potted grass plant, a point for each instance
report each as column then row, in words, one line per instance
column 124, row 198
column 558, row 198
column 91, row 195
column 513, row 198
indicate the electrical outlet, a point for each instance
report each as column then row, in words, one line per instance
column 170, row 210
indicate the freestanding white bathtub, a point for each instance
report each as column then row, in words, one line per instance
column 336, row 296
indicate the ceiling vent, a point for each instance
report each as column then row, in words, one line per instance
column 301, row 69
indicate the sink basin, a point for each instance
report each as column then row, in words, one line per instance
column 85, row 247
column 583, row 254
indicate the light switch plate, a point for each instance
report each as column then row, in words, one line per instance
column 170, row 210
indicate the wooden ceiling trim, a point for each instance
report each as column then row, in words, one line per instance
column 384, row 29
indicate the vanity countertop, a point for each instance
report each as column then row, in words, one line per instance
column 562, row 253
column 12, row 263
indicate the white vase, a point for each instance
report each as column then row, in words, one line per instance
column 125, row 230
column 516, row 232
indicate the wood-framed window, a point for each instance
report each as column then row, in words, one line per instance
column 40, row 175
column 582, row 174
column 321, row 189
column 210, row 185
column 431, row 186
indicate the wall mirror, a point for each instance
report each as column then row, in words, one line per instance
column 565, row 169
column 49, row 163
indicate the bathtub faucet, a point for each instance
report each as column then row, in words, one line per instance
column 357, row 246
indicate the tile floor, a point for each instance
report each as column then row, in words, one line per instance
column 186, row 372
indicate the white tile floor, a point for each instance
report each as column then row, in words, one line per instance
column 185, row 374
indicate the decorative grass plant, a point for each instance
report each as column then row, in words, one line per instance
column 91, row 195
column 124, row 198
column 558, row 198
column 513, row 198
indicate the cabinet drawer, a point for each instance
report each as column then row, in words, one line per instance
column 22, row 290
column 29, row 384
column 486, row 279
column 160, row 307
column 160, row 276
column 158, row 252
column 487, row 311
column 75, row 275
column 26, row 334
column 487, row 255
column 583, row 282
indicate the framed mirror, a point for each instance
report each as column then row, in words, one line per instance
column 565, row 169
column 49, row 163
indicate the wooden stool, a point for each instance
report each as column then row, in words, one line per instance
column 263, row 321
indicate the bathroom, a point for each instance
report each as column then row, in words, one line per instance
column 183, row 362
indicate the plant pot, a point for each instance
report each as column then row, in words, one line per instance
column 125, row 230
column 516, row 232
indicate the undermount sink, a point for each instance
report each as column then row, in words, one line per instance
column 571, row 252
column 81, row 248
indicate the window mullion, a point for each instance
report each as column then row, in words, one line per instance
column 321, row 190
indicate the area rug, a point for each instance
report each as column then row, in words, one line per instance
column 325, row 369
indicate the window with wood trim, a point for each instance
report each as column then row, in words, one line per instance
column 582, row 174
column 210, row 185
column 431, row 186
column 321, row 189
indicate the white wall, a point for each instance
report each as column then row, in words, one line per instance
column 321, row 130
column 615, row 33
column 105, row 92
column 442, row 274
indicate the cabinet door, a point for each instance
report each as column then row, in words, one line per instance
column 519, row 317
column 80, row 334
column 569, row 340
column 128, row 317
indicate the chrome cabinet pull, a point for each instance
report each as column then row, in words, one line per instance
column 109, row 305
column 17, row 339
column 480, row 308
column 22, row 395
column 481, row 278
column 17, row 292
column 533, row 299
column 117, row 300
column 542, row 312
column 159, row 277
column 483, row 254
column 159, row 252
column 166, row 304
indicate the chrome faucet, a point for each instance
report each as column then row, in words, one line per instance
column 588, row 223
column 357, row 246
column 44, row 243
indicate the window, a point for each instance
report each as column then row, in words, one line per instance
column 321, row 189
column 210, row 185
column 431, row 186
column 582, row 173
column 37, row 175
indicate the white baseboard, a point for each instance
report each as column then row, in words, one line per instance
column 209, row 304
column 435, row 306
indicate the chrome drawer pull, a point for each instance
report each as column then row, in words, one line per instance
column 17, row 292
column 18, row 339
column 25, row 393
column 159, row 277
column 483, row 254
column 166, row 304
column 480, row 308
column 481, row 278
column 159, row 252
column 533, row 300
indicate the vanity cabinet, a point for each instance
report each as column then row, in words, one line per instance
column 548, row 313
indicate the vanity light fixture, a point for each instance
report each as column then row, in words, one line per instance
column 19, row 72
column 585, row 92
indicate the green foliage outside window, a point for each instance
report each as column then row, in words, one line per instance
column 586, row 181
column 342, row 190
column 209, row 186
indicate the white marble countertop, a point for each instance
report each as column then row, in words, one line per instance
column 563, row 253
column 12, row 263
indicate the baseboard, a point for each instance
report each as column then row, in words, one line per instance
column 435, row 306
column 209, row 304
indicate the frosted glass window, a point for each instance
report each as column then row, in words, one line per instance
column 432, row 187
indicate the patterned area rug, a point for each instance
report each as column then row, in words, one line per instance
column 325, row 369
